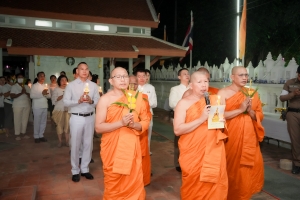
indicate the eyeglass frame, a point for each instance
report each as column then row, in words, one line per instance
column 119, row 77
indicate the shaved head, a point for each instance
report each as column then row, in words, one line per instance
column 132, row 79
column 133, row 82
column 204, row 70
column 196, row 74
column 117, row 70
column 236, row 68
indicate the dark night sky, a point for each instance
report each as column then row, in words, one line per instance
column 272, row 26
column 210, row 16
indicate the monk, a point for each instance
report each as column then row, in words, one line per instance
column 211, row 90
column 120, row 143
column 243, row 116
column 202, row 152
column 146, row 161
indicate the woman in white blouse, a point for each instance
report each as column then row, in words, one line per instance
column 52, row 86
column 21, row 106
column 60, row 113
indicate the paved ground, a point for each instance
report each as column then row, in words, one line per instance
column 24, row 163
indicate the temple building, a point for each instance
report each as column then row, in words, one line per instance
column 56, row 35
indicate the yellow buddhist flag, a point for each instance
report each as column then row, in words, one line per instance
column 243, row 31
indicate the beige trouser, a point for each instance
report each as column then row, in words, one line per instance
column 61, row 119
column 293, row 126
column 21, row 115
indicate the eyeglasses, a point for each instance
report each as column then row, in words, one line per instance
column 119, row 77
column 241, row 75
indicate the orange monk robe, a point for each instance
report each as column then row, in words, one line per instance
column 146, row 161
column 244, row 160
column 202, row 159
column 121, row 154
column 213, row 90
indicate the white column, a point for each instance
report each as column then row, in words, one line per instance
column 147, row 63
column 237, row 31
column 130, row 69
column 31, row 69
column 1, row 63
column 101, row 72
column 111, row 67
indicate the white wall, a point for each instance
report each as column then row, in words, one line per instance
column 55, row 64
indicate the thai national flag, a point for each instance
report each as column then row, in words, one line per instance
column 188, row 40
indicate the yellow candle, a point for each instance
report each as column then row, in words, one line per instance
column 46, row 86
column 129, row 94
column 250, row 84
column 86, row 89
column 100, row 89
column 141, row 90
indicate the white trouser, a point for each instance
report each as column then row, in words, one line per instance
column 150, row 133
column 21, row 115
column 82, row 132
column 40, row 121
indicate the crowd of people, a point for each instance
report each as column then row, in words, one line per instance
column 218, row 163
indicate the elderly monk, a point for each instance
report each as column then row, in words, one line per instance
column 202, row 153
column 211, row 90
column 120, row 143
column 146, row 161
column 243, row 115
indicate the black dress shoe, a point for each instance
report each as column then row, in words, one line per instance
column 43, row 139
column 79, row 161
column 178, row 169
column 37, row 140
column 296, row 170
column 87, row 175
column 76, row 178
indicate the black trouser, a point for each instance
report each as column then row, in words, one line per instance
column 176, row 151
column 9, row 116
column 50, row 107
column 2, row 116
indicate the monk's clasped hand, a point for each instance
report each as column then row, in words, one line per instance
column 245, row 104
column 127, row 119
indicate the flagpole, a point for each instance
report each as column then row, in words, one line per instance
column 191, row 51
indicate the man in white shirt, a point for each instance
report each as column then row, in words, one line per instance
column 9, row 115
column 21, row 106
column 175, row 95
column 81, row 96
column 148, row 89
column 39, row 94
column 2, row 116
column 148, row 75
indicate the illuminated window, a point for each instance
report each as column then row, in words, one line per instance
column 43, row 23
column 122, row 29
column 83, row 27
column 2, row 19
column 101, row 28
column 139, row 30
column 66, row 25
column 17, row 20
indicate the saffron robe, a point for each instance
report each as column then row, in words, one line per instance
column 244, row 159
column 146, row 160
column 121, row 154
column 202, row 159
column 213, row 90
